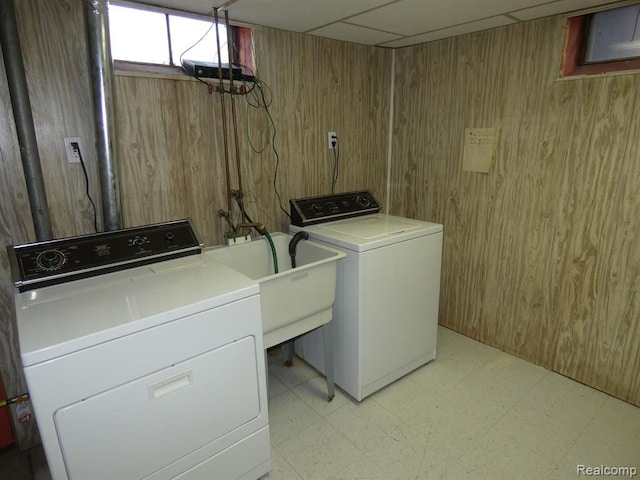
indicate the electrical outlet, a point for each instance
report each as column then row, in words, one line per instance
column 73, row 155
column 332, row 138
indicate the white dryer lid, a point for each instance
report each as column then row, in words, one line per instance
column 371, row 231
column 60, row 319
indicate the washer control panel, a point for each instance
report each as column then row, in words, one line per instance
column 56, row 261
column 313, row 210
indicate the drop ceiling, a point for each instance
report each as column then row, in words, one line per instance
column 386, row 23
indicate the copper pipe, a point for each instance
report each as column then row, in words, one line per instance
column 224, row 115
column 233, row 103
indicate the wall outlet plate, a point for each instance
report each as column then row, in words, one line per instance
column 73, row 156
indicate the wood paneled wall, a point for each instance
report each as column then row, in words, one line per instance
column 170, row 139
column 170, row 134
column 541, row 254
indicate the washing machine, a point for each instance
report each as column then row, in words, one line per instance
column 143, row 357
column 385, row 316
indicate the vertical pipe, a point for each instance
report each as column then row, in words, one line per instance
column 392, row 91
column 233, row 103
column 224, row 115
column 23, row 116
column 96, row 17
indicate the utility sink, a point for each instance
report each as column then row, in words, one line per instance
column 294, row 301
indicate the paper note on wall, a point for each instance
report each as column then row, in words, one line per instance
column 479, row 147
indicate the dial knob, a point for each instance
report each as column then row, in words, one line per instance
column 363, row 200
column 169, row 236
column 51, row 260
column 137, row 241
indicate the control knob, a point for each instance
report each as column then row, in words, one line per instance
column 51, row 260
column 363, row 200
column 138, row 241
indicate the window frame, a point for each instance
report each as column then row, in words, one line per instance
column 576, row 33
column 242, row 38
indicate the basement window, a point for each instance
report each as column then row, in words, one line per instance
column 601, row 42
column 154, row 41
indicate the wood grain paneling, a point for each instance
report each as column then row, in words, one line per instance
column 540, row 258
column 170, row 139
column 52, row 40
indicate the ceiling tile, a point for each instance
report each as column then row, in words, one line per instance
column 554, row 8
column 411, row 17
column 298, row 15
column 470, row 27
column 354, row 33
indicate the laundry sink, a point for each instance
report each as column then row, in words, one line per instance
column 293, row 301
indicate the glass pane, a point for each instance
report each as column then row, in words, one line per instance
column 196, row 40
column 138, row 35
column 614, row 35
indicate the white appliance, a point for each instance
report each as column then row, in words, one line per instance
column 150, row 372
column 385, row 316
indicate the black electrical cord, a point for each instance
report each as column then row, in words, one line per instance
column 336, row 158
column 76, row 148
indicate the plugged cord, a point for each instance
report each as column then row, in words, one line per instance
column 76, row 148
column 336, row 157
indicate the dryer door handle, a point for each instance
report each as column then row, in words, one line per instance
column 170, row 385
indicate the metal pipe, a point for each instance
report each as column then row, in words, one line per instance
column 97, row 20
column 23, row 117
column 224, row 115
column 233, row 103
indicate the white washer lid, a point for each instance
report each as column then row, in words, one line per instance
column 370, row 231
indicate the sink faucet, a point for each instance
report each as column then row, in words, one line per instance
column 258, row 226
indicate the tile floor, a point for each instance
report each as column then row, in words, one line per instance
column 475, row 413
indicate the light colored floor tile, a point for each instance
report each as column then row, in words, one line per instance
column 315, row 394
column 280, row 469
column 360, row 468
column 292, row 376
column 403, row 454
column 564, row 396
column 474, row 413
column 551, row 417
column 365, row 424
column 406, row 399
column 288, row 416
column 495, row 387
column 276, row 387
column 455, row 360
column 498, row 457
column 612, row 438
column 319, row 452
column 545, row 433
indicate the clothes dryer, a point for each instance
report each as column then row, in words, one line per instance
column 154, row 371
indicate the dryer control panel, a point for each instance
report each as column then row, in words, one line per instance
column 326, row 208
column 50, row 262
